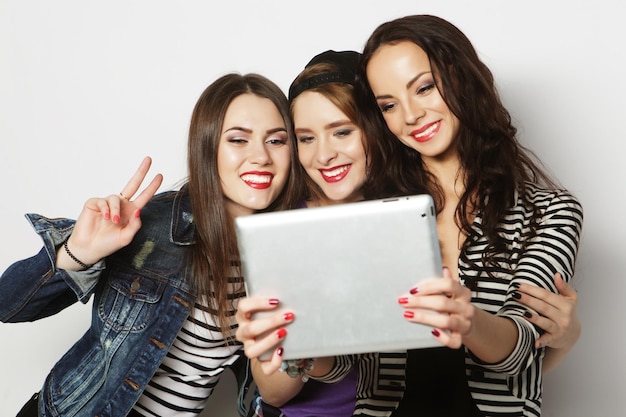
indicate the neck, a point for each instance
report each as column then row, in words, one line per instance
column 448, row 173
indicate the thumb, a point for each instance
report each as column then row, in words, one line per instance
column 564, row 288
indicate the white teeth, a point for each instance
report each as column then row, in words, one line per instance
column 259, row 179
column 335, row 172
column 427, row 131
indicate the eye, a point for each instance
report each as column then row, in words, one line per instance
column 305, row 139
column 276, row 140
column 386, row 107
column 423, row 89
column 237, row 140
column 342, row 133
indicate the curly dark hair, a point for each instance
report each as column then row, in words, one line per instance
column 494, row 165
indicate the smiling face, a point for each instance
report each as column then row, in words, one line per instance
column 253, row 155
column 405, row 88
column 330, row 148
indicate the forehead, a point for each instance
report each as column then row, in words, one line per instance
column 311, row 107
column 252, row 112
column 397, row 61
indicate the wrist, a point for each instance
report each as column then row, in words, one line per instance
column 73, row 261
column 298, row 368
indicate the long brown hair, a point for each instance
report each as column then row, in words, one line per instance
column 215, row 252
column 494, row 164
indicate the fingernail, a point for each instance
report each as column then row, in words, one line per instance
column 273, row 301
column 527, row 314
column 515, row 285
column 279, row 351
column 107, row 215
column 288, row 316
column 435, row 332
column 116, row 219
column 403, row 300
column 414, row 290
column 516, row 295
column 138, row 213
column 281, row 333
column 408, row 314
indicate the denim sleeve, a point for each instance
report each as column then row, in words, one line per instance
column 33, row 288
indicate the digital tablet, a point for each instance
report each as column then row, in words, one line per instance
column 340, row 269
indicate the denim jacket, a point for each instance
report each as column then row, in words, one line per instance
column 141, row 300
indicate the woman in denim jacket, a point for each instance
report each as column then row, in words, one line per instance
column 163, row 270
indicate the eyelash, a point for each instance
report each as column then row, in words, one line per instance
column 276, row 141
column 426, row 88
column 237, row 140
column 344, row 132
column 269, row 141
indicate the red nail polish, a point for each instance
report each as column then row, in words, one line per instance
column 435, row 332
column 288, row 316
column 403, row 300
column 138, row 213
column 281, row 333
column 279, row 351
column 273, row 301
column 107, row 215
column 116, row 219
column 414, row 290
column 409, row 314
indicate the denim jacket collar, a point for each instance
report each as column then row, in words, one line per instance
column 182, row 230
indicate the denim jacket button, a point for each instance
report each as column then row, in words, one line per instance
column 134, row 287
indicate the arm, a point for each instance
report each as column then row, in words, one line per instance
column 42, row 285
column 503, row 340
column 259, row 335
column 557, row 317
column 490, row 337
column 106, row 225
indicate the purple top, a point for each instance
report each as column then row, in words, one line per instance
column 324, row 400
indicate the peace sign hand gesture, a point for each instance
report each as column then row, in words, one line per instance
column 106, row 225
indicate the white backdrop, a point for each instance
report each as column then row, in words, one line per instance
column 88, row 88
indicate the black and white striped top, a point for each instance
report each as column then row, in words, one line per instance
column 193, row 365
column 513, row 386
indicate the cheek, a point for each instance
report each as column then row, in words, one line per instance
column 305, row 154
column 283, row 160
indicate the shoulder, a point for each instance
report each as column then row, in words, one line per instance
column 549, row 200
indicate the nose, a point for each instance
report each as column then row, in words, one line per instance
column 326, row 152
column 412, row 112
column 259, row 153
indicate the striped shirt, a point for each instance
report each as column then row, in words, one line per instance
column 513, row 386
column 193, row 365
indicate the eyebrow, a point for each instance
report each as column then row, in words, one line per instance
column 408, row 84
column 248, row 130
column 331, row 125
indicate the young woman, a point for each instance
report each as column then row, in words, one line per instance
column 331, row 150
column 502, row 222
column 322, row 100
column 163, row 270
